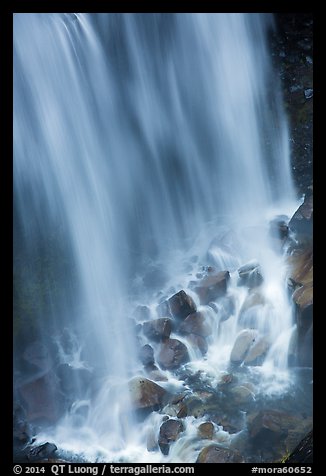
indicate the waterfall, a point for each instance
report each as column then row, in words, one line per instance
column 138, row 138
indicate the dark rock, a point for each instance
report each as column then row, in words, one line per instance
column 145, row 394
column 195, row 323
column 242, row 344
column 250, row 275
column 302, row 221
column 172, row 354
column 181, row 305
column 157, row 329
column 219, row 454
column 169, row 432
column 41, row 452
column 146, row 355
column 42, row 398
column 212, row 287
column 270, row 427
column 303, row 453
column 206, row 430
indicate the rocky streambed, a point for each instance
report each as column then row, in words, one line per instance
column 210, row 413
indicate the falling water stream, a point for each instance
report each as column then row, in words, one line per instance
column 148, row 145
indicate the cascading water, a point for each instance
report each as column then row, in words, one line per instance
column 137, row 139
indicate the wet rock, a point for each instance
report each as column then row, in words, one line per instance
column 157, row 329
column 178, row 410
column 308, row 93
column 242, row 344
column 226, row 379
column 42, row 398
column 258, row 351
column 278, row 227
column 145, row 394
column 198, row 342
column 198, row 406
column 219, row 454
column 169, row 432
column 172, row 354
column 163, row 309
column 242, row 394
column 195, row 323
column 146, row 355
column 301, row 278
column 302, row 221
column 212, row 287
column 206, row 430
column 250, row 275
column 41, row 452
column 181, row 305
column 21, row 429
column 270, row 427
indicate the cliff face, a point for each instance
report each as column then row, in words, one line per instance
column 293, row 55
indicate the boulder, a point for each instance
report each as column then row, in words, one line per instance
column 219, row 454
column 169, row 432
column 206, row 430
column 242, row 344
column 212, row 287
column 258, row 351
column 158, row 329
column 145, row 393
column 195, row 323
column 146, row 355
column 41, row 452
column 172, row 354
column 242, row 394
column 181, row 305
column 250, row 275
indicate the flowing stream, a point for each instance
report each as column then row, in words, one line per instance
column 147, row 146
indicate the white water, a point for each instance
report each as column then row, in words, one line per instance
column 143, row 137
